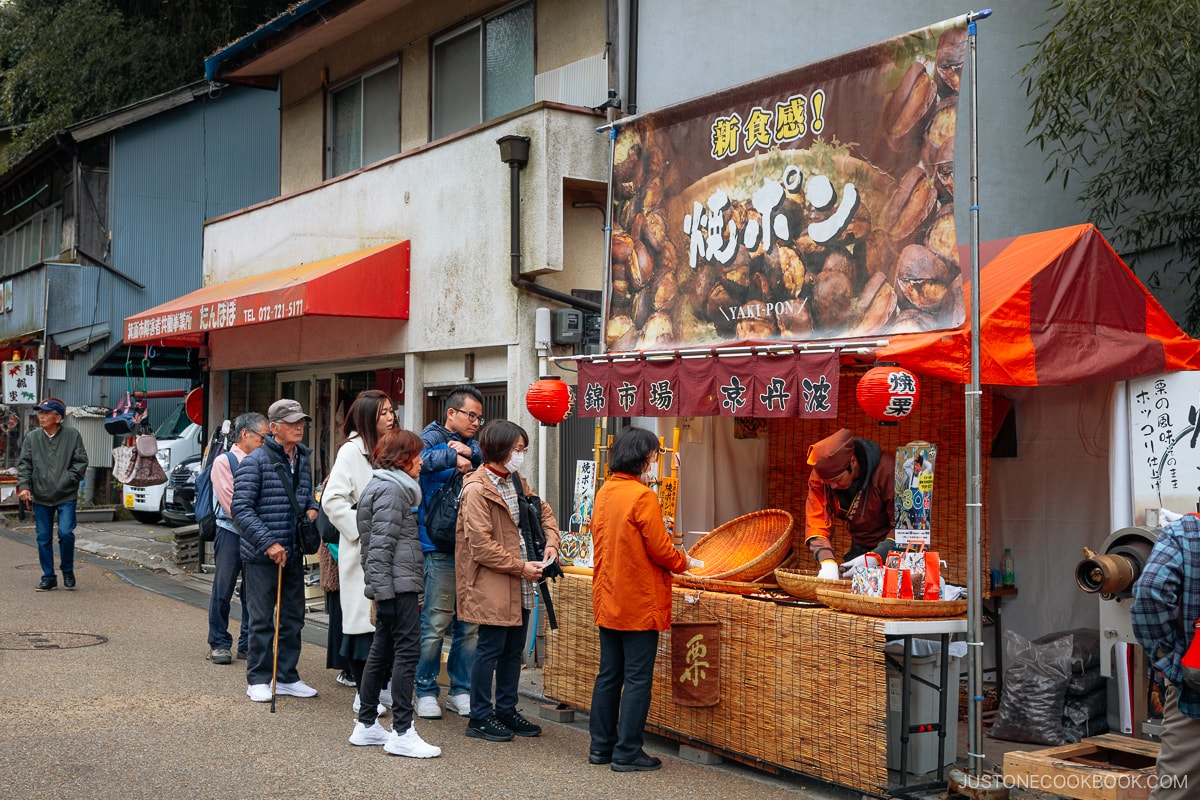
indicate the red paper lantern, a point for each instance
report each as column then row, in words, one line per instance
column 549, row 400
column 888, row 393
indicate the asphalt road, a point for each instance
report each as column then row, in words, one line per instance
column 105, row 695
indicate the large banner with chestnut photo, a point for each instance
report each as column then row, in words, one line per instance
column 811, row 205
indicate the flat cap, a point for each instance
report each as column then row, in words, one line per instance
column 830, row 456
column 286, row 411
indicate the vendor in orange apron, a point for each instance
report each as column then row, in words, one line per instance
column 852, row 479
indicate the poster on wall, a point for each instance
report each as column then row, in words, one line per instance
column 1164, row 449
column 813, row 204
column 20, row 383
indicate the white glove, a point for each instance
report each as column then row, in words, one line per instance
column 829, row 571
column 854, row 563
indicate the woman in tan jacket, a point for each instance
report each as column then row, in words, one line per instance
column 631, row 599
column 496, row 576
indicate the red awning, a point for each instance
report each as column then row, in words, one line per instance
column 372, row 283
column 1056, row 308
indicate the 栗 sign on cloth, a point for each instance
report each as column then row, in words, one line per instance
column 814, row 204
column 696, row 663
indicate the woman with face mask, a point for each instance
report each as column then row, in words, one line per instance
column 631, row 599
column 496, row 579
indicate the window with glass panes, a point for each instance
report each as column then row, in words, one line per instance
column 364, row 120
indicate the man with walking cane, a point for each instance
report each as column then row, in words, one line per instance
column 264, row 499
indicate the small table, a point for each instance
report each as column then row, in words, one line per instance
column 991, row 615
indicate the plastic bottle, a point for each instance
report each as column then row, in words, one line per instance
column 1007, row 570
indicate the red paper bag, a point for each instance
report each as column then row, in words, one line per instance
column 933, row 576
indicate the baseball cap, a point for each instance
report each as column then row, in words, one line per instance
column 52, row 404
column 830, row 456
column 286, row 411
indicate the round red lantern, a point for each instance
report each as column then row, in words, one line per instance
column 888, row 393
column 549, row 400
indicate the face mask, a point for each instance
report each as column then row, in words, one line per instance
column 650, row 475
column 515, row 461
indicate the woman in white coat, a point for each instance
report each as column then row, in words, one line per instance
column 369, row 417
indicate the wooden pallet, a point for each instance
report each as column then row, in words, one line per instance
column 1107, row 767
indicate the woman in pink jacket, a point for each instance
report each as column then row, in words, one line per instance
column 631, row 599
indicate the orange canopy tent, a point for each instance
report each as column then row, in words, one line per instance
column 1056, row 308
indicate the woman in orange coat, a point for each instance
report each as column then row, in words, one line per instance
column 631, row 597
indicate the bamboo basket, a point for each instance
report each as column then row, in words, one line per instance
column 729, row 587
column 890, row 606
column 744, row 549
column 804, row 586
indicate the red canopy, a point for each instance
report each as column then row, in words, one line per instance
column 1056, row 308
column 367, row 283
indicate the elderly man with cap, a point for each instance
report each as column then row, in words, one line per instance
column 264, row 486
column 852, row 479
column 49, row 471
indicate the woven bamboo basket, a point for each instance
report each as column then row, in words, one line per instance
column 744, row 549
column 890, row 606
column 804, row 586
column 729, row 587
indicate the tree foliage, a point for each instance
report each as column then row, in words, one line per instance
column 1115, row 105
column 63, row 61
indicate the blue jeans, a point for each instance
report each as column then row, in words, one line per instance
column 438, row 619
column 43, row 520
column 227, row 558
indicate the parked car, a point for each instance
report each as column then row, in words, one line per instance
column 178, row 439
column 179, row 498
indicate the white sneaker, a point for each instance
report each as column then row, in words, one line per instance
column 295, row 689
column 380, row 710
column 460, row 704
column 427, row 707
column 362, row 736
column 411, row 745
column 259, row 692
column 385, row 695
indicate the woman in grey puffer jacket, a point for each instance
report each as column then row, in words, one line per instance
column 394, row 567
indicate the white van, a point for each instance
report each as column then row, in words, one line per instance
column 178, row 438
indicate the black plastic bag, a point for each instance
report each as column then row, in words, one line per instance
column 1035, row 686
column 1085, row 647
column 1085, row 683
column 1079, row 710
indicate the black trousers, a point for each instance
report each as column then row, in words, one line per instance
column 396, row 647
column 621, row 698
column 227, row 558
column 498, row 655
column 260, row 581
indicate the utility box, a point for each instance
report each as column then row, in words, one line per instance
column 922, row 707
column 568, row 326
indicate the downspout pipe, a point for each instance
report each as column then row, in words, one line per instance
column 631, row 88
column 514, row 150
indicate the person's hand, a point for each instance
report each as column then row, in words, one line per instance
column 550, row 554
column 385, row 609
column 461, row 448
column 24, row 495
column 277, row 553
column 464, row 464
column 829, row 571
column 848, row 567
column 312, row 514
column 532, row 571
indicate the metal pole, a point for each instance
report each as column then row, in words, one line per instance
column 974, row 472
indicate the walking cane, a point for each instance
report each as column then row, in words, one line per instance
column 275, row 646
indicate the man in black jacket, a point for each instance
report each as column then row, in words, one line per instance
column 264, row 486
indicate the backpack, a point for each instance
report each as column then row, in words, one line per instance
column 206, row 499
column 441, row 515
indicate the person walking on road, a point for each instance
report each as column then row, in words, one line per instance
column 49, row 471
column 249, row 432
column 272, row 563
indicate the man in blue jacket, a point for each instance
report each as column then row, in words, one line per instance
column 448, row 447
column 266, row 521
column 1166, row 606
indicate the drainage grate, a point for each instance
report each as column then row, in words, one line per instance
column 48, row 640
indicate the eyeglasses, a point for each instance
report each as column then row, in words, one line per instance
column 259, row 434
column 471, row 415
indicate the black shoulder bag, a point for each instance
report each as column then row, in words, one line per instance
column 530, row 516
column 308, row 538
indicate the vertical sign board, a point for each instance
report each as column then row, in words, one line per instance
column 1164, row 429
column 20, row 383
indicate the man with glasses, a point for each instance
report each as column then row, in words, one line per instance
column 449, row 447
column 249, row 431
column 854, row 480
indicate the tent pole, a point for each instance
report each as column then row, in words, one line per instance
column 974, row 472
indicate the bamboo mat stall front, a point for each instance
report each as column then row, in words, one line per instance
column 803, row 689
